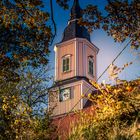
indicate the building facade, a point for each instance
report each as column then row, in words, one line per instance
column 75, row 66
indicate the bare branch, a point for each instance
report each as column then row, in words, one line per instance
column 53, row 21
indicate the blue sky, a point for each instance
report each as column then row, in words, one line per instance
column 108, row 48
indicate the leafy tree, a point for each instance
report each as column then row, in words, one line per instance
column 33, row 88
column 25, row 38
column 14, row 114
column 63, row 3
column 18, row 118
column 121, row 21
column 25, row 34
column 115, row 113
column 43, row 128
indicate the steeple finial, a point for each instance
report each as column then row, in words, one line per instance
column 76, row 10
column 74, row 30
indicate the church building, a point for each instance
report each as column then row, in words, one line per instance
column 75, row 66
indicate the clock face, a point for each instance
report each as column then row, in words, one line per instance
column 65, row 94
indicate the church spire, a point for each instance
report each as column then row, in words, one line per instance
column 74, row 29
column 76, row 11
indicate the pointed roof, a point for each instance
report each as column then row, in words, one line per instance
column 74, row 29
column 76, row 11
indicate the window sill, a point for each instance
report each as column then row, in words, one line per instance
column 66, row 71
column 91, row 75
column 62, row 101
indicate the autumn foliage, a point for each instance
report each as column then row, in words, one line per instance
column 116, row 113
column 120, row 20
column 24, row 35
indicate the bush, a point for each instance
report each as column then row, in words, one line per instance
column 116, row 114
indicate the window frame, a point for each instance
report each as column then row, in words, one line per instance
column 60, row 94
column 68, row 56
column 91, row 61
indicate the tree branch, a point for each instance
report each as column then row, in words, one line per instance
column 53, row 21
column 115, row 10
column 25, row 9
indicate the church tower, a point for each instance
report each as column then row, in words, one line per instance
column 75, row 65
